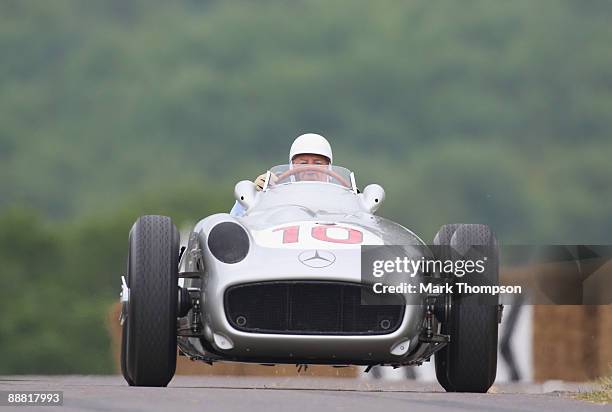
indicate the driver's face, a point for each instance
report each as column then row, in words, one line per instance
column 308, row 159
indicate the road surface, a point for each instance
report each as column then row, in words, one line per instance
column 293, row 394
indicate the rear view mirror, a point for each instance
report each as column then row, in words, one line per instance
column 245, row 193
column 372, row 197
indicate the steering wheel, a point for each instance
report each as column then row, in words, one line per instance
column 314, row 168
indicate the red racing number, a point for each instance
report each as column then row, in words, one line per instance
column 291, row 234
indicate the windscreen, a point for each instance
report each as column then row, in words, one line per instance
column 297, row 173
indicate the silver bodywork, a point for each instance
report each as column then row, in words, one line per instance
column 207, row 334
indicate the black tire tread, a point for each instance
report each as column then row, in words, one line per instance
column 151, row 345
column 469, row 362
column 443, row 237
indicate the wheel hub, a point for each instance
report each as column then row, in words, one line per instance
column 124, row 298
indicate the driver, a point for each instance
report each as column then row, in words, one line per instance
column 307, row 149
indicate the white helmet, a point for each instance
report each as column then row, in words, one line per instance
column 311, row 143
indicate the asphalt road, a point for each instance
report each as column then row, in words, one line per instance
column 220, row 393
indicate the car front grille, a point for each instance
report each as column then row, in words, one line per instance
column 312, row 307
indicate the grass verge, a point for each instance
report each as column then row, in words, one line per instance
column 602, row 395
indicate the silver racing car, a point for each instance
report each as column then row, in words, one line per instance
column 284, row 284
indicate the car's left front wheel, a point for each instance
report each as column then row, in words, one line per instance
column 149, row 332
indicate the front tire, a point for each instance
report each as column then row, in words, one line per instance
column 149, row 333
column 124, row 370
column 469, row 362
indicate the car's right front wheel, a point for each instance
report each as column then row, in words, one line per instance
column 148, row 345
column 469, row 361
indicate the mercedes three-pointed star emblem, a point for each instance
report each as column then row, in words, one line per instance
column 317, row 258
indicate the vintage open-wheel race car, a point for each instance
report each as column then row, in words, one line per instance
column 284, row 284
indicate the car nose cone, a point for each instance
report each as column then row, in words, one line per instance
column 317, row 258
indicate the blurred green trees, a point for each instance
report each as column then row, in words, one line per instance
column 472, row 111
column 93, row 97
column 58, row 280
